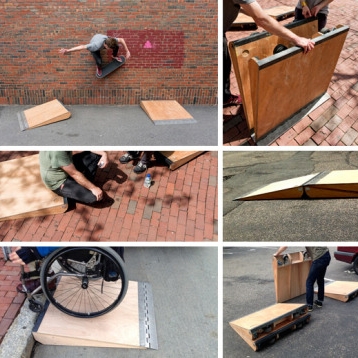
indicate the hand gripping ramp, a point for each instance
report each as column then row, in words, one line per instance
column 166, row 112
column 267, row 325
column 337, row 184
column 341, row 290
column 130, row 325
column 47, row 113
column 22, row 192
column 290, row 274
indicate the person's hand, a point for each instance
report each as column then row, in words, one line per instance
column 14, row 257
column 306, row 44
column 315, row 10
column 98, row 193
column 103, row 162
column 62, row 51
column 306, row 12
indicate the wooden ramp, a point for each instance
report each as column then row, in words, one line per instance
column 166, row 112
column 341, row 290
column 281, row 12
column 175, row 159
column 290, row 274
column 271, row 92
column 44, row 114
column 336, row 184
column 22, row 192
column 267, row 325
column 130, row 325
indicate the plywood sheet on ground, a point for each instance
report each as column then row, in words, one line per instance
column 166, row 112
column 22, row 192
column 341, row 290
column 175, row 159
column 280, row 12
column 47, row 113
column 118, row 329
column 244, row 22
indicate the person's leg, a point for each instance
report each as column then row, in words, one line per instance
column 87, row 163
column 311, row 279
column 322, row 21
column 98, row 58
column 143, row 164
column 322, row 265
column 227, row 71
column 125, row 158
column 72, row 190
column 115, row 51
column 298, row 14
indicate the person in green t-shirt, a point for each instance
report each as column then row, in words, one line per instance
column 71, row 174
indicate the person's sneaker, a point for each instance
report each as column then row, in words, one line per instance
column 318, row 304
column 126, row 158
column 140, row 168
column 310, row 308
column 233, row 101
column 99, row 72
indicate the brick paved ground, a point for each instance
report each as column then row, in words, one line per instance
column 333, row 123
column 181, row 205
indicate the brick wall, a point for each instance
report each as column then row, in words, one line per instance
column 173, row 44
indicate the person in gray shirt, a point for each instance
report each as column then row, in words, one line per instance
column 97, row 43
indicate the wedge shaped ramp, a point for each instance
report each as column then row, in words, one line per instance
column 341, row 290
column 335, row 184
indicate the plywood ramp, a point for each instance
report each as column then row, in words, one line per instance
column 281, row 12
column 22, row 192
column 166, row 112
column 44, row 114
column 290, row 274
column 175, row 159
column 262, row 326
column 341, row 290
column 120, row 328
column 325, row 185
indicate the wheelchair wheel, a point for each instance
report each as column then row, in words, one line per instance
column 84, row 281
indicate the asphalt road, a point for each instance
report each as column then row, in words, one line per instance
column 185, row 292
column 248, row 286
column 285, row 220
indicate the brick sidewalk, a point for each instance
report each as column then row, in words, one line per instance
column 180, row 206
column 333, row 123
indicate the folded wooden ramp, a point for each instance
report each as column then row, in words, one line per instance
column 341, row 290
column 175, row 159
column 166, row 112
column 290, row 274
column 22, row 192
column 337, row 184
column 47, row 113
column 130, row 325
column 267, row 325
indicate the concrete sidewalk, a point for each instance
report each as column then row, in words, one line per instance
column 111, row 126
column 335, row 123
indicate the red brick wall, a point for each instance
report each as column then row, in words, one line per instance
column 173, row 45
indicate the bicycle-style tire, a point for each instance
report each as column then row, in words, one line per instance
column 83, row 294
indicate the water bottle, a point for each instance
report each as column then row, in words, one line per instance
column 147, row 181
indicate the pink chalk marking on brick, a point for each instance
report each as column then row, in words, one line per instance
column 166, row 51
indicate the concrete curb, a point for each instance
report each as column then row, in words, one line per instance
column 18, row 341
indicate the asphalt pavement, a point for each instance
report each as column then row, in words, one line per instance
column 285, row 220
column 248, row 286
column 111, row 126
column 184, row 282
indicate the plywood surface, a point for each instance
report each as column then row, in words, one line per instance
column 22, row 192
column 280, row 12
column 161, row 112
column 43, row 114
column 175, row 159
column 119, row 328
column 341, row 290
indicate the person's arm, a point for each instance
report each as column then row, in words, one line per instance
column 280, row 251
column 82, row 180
column 121, row 41
column 269, row 24
column 63, row 51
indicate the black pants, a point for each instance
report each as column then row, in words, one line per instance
column 227, row 70
column 98, row 58
column 322, row 18
column 87, row 164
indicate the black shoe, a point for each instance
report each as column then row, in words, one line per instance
column 318, row 304
column 140, row 168
column 310, row 308
column 126, row 158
